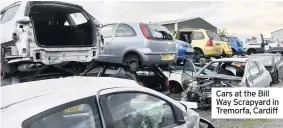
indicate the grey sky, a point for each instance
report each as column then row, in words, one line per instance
column 238, row 17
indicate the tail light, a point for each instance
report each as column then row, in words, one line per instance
column 209, row 43
column 278, row 45
column 167, row 83
column 141, row 84
column 144, row 31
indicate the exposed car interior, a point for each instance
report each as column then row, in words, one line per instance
column 60, row 25
column 185, row 36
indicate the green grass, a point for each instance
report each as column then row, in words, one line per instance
column 245, row 123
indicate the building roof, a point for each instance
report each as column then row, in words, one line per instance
column 278, row 30
column 181, row 20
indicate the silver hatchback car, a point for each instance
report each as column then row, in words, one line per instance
column 137, row 44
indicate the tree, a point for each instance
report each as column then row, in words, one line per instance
column 222, row 32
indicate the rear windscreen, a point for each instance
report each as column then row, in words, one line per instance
column 212, row 35
column 159, row 32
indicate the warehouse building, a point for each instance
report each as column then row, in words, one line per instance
column 277, row 34
column 188, row 23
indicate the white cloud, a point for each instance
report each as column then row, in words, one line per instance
column 239, row 17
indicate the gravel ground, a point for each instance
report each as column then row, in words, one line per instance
column 237, row 123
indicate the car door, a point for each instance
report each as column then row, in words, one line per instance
column 107, row 33
column 125, row 37
column 188, row 73
column 8, row 22
column 279, row 65
column 135, row 108
column 75, row 114
column 254, row 76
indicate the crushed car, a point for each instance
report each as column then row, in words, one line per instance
column 273, row 63
column 37, row 34
column 225, row 72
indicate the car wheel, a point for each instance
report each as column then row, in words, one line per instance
column 251, row 51
column 132, row 61
column 175, row 87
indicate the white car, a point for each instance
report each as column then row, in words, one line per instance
column 225, row 72
column 272, row 43
column 39, row 33
column 92, row 102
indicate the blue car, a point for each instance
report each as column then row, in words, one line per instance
column 236, row 45
column 185, row 50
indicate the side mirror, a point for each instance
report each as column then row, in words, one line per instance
column 203, row 123
column 24, row 20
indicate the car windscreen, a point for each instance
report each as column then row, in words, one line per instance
column 265, row 60
column 212, row 35
column 159, row 32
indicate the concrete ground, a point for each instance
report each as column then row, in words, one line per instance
column 238, row 123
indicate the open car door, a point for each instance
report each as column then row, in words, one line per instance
column 189, row 71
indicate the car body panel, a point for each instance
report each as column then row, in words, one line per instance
column 226, row 49
column 185, row 50
column 215, row 50
column 31, row 104
column 236, row 44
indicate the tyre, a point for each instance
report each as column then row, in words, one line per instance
column 251, row 51
column 199, row 53
column 133, row 61
column 175, row 88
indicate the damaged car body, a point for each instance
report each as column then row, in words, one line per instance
column 43, row 33
column 273, row 63
column 225, row 72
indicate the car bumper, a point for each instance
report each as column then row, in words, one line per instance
column 165, row 92
column 210, row 51
column 50, row 56
column 228, row 51
column 155, row 58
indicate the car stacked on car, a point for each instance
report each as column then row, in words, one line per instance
column 60, row 67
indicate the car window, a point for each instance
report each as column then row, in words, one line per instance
column 94, row 72
column 78, row 18
column 159, row 32
column 189, row 68
column 212, row 35
column 198, row 36
column 253, row 69
column 75, row 116
column 9, row 13
column 137, row 110
column 125, row 30
column 107, row 30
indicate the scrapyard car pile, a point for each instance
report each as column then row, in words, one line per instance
column 225, row 72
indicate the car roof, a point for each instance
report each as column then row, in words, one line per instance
column 231, row 60
column 24, row 100
column 24, row 91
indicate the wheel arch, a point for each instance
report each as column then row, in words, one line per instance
column 132, row 52
column 176, row 83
